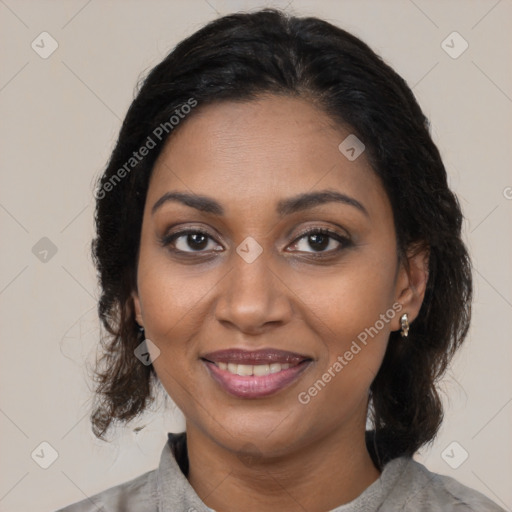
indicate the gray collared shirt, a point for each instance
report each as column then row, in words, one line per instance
column 404, row 485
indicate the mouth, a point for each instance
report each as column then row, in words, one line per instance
column 255, row 374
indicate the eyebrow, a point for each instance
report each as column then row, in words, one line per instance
column 284, row 206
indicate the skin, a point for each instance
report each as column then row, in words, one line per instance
column 272, row 453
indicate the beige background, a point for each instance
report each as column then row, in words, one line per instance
column 60, row 117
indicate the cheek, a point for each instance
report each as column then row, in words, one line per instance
column 171, row 295
column 353, row 311
column 352, row 298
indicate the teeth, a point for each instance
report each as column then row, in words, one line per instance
column 249, row 369
column 261, row 369
column 244, row 369
column 275, row 367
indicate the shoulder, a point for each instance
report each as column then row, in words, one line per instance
column 418, row 489
column 131, row 496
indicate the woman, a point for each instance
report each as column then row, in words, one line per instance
column 278, row 248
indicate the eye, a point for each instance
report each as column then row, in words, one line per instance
column 320, row 239
column 189, row 240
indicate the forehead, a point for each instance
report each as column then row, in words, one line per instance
column 259, row 151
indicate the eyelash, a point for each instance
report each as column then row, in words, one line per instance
column 344, row 241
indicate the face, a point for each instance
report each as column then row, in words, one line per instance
column 298, row 296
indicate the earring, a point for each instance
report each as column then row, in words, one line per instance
column 141, row 331
column 404, row 323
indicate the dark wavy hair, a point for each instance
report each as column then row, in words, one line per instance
column 240, row 57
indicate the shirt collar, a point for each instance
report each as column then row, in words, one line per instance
column 173, row 490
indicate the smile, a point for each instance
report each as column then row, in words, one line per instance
column 270, row 372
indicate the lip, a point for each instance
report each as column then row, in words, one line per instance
column 253, row 386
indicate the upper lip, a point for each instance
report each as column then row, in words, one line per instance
column 255, row 357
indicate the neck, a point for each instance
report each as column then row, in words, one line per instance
column 318, row 477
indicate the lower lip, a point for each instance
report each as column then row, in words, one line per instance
column 253, row 386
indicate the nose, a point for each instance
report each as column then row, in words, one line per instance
column 253, row 296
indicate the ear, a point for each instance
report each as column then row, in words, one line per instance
column 411, row 283
column 137, row 308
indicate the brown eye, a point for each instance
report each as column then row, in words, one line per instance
column 320, row 240
column 191, row 240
